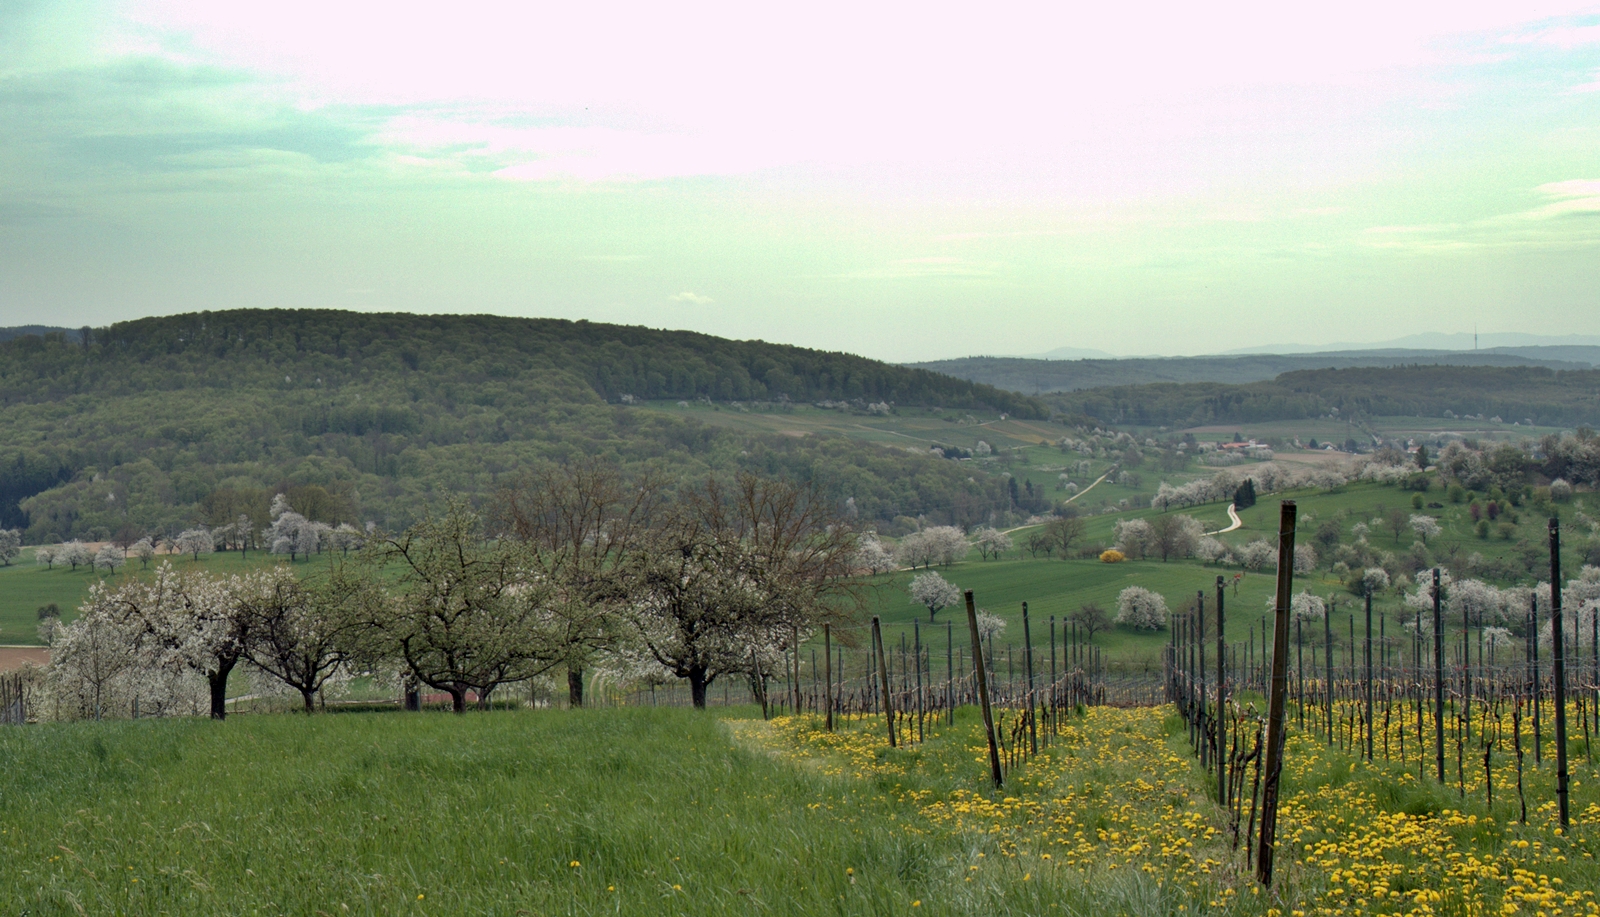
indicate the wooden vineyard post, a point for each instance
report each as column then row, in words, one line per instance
column 883, row 677
column 1267, row 836
column 827, row 672
column 1368, row 661
column 1027, row 649
column 1558, row 667
column 983, row 691
column 1438, row 677
column 950, row 671
column 1220, row 757
column 1538, row 687
column 1327, row 665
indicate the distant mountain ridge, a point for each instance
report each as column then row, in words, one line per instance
column 7, row 334
column 1034, row 377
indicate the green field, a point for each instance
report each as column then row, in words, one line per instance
column 672, row 811
column 634, row 811
column 25, row 586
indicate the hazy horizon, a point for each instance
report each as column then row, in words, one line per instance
column 905, row 182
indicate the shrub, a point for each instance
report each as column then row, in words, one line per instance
column 1112, row 556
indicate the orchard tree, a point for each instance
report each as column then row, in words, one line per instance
column 1062, row 532
column 1425, row 526
column 468, row 614
column 1174, row 536
column 143, row 550
column 10, row 545
column 46, row 556
column 915, row 550
column 195, row 542
column 992, row 542
column 190, row 621
column 1305, row 559
column 109, row 557
column 735, row 573
column 582, row 523
column 931, row 591
column 304, row 633
column 1090, row 619
column 871, row 555
column 1141, row 609
column 1134, row 537
column 1397, row 522
column 948, row 544
column 75, row 553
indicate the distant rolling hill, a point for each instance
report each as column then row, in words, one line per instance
column 1533, row 395
column 1031, row 376
column 160, row 423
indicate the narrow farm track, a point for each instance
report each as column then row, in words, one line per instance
column 1236, row 523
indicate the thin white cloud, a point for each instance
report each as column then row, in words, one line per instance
column 1576, row 196
column 691, row 299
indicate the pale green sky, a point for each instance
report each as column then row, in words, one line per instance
column 906, row 181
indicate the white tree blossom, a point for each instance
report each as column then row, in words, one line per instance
column 109, row 558
column 1133, row 537
column 10, row 545
column 195, row 542
column 1305, row 559
column 1211, row 550
column 45, row 556
column 992, row 542
column 75, row 553
column 933, row 592
column 1258, row 554
column 989, row 625
column 1139, row 608
column 872, row 556
column 915, row 550
column 1374, row 580
column 1424, row 526
column 143, row 550
column 940, row 544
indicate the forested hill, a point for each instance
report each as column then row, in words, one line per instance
column 163, row 422
column 1038, row 376
column 1542, row 396
column 256, row 347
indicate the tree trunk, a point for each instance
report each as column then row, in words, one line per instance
column 697, row 686
column 574, row 686
column 306, row 695
column 219, row 689
column 458, row 700
column 483, row 698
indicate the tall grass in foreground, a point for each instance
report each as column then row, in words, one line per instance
column 632, row 811
column 671, row 811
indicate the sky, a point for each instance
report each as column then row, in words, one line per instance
column 906, row 181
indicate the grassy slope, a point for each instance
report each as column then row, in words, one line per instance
column 621, row 812
column 666, row 811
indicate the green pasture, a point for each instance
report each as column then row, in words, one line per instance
column 25, row 586
column 630, row 811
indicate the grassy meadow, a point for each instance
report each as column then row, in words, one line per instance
column 669, row 811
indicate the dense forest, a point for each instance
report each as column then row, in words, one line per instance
column 1516, row 394
column 146, row 422
column 1038, row 376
